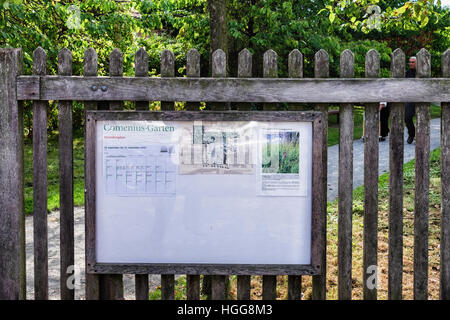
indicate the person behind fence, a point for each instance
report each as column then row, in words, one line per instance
column 384, row 120
column 410, row 107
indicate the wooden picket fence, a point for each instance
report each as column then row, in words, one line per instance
column 321, row 91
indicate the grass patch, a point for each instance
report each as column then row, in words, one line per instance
column 333, row 125
column 53, row 174
column 383, row 232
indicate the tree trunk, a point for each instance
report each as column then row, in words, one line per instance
column 218, row 28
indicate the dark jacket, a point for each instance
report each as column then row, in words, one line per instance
column 411, row 73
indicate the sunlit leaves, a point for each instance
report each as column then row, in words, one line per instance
column 407, row 15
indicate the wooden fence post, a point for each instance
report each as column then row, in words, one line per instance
column 12, row 218
column 219, row 70
column 422, row 185
column 167, row 70
column 445, row 186
column 321, row 70
column 244, row 71
column 218, row 283
column 67, row 240
column 141, row 70
column 92, row 280
column 345, row 185
column 245, row 62
column 371, row 155
column 295, row 69
column 40, row 184
column 111, row 285
column 270, row 70
column 192, row 71
column 396, row 153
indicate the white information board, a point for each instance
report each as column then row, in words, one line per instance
column 203, row 192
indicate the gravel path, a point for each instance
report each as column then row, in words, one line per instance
column 154, row 280
column 358, row 158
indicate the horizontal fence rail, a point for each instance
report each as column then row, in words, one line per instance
column 109, row 92
column 269, row 90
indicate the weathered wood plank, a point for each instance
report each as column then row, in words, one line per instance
column 245, row 64
column 141, row 286
column 321, row 70
column 167, row 286
column 219, row 64
column 92, row 280
column 269, row 284
column 295, row 70
column 236, row 89
column 244, row 71
column 294, row 287
column 318, row 201
column 193, row 71
column 345, row 185
column 66, row 223
column 167, row 70
column 207, row 115
column 243, row 287
column 111, row 285
column 270, row 70
column 422, row 185
column 445, row 187
column 396, row 144
column 193, row 287
column 218, row 269
column 218, row 287
column 371, row 150
column 115, row 70
column 218, row 71
column 141, row 70
column 40, row 184
column 12, row 221
column 245, row 61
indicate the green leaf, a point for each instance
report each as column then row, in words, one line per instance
column 332, row 17
column 401, row 10
column 424, row 22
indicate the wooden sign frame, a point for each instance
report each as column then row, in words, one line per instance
column 318, row 217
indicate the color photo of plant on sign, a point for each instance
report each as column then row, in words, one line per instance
column 280, row 161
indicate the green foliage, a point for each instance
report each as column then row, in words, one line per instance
column 180, row 25
column 409, row 25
